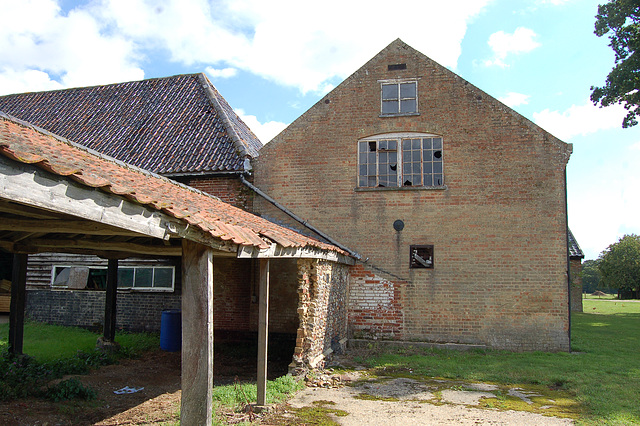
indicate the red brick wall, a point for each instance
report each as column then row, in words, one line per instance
column 498, row 229
column 232, row 290
column 228, row 188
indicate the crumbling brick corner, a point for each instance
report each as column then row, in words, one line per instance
column 322, row 310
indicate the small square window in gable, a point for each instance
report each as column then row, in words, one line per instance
column 421, row 257
column 399, row 97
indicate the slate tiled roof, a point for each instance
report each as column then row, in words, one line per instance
column 171, row 125
column 574, row 248
column 26, row 144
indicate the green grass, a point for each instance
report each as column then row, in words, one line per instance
column 47, row 343
column 236, row 396
column 52, row 352
column 602, row 375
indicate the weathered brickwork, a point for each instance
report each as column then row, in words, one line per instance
column 576, row 284
column 135, row 311
column 375, row 308
column 498, row 226
column 322, row 312
column 228, row 188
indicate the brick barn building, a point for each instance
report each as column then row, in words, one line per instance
column 455, row 203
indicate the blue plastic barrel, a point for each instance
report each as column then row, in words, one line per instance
column 171, row 330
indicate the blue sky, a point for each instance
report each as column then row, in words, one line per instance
column 273, row 59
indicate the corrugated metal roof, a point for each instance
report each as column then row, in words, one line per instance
column 27, row 144
column 178, row 124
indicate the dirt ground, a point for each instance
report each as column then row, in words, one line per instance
column 347, row 398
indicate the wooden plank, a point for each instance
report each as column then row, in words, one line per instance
column 7, row 206
column 263, row 331
column 40, row 244
column 34, row 187
column 276, row 251
column 197, row 334
column 62, row 226
column 110, row 301
column 18, row 297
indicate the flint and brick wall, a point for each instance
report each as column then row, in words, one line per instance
column 322, row 311
column 498, row 227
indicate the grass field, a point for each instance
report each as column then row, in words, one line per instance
column 49, row 342
column 602, row 374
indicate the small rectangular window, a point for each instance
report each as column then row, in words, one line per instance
column 95, row 278
column 399, row 98
column 421, row 256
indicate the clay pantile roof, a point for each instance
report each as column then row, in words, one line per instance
column 27, row 144
column 574, row 248
column 171, row 125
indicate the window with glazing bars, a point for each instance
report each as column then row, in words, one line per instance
column 420, row 158
column 399, row 98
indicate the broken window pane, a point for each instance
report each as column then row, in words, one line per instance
column 421, row 256
column 421, row 160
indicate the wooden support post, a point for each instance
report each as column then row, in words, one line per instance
column 110, row 301
column 263, row 331
column 18, row 299
column 197, row 334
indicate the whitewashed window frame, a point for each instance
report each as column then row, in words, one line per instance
column 428, row 166
column 385, row 85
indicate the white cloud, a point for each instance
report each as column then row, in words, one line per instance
column 513, row 99
column 504, row 44
column 12, row 81
column 41, row 46
column 635, row 146
column 294, row 43
column 264, row 131
column 580, row 120
column 221, row 73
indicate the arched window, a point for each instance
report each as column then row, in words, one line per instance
column 400, row 160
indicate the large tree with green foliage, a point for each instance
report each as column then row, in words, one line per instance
column 590, row 276
column 619, row 265
column 621, row 20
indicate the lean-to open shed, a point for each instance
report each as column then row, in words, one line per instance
column 57, row 196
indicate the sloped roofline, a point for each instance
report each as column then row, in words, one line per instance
column 566, row 148
column 212, row 95
column 28, row 144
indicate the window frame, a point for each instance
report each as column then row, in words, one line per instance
column 435, row 167
column 399, row 99
column 122, row 268
column 426, row 251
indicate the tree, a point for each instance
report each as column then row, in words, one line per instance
column 590, row 276
column 622, row 86
column 619, row 265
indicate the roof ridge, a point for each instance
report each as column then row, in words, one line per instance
column 211, row 91
column 67, row 89
column 101, row 155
